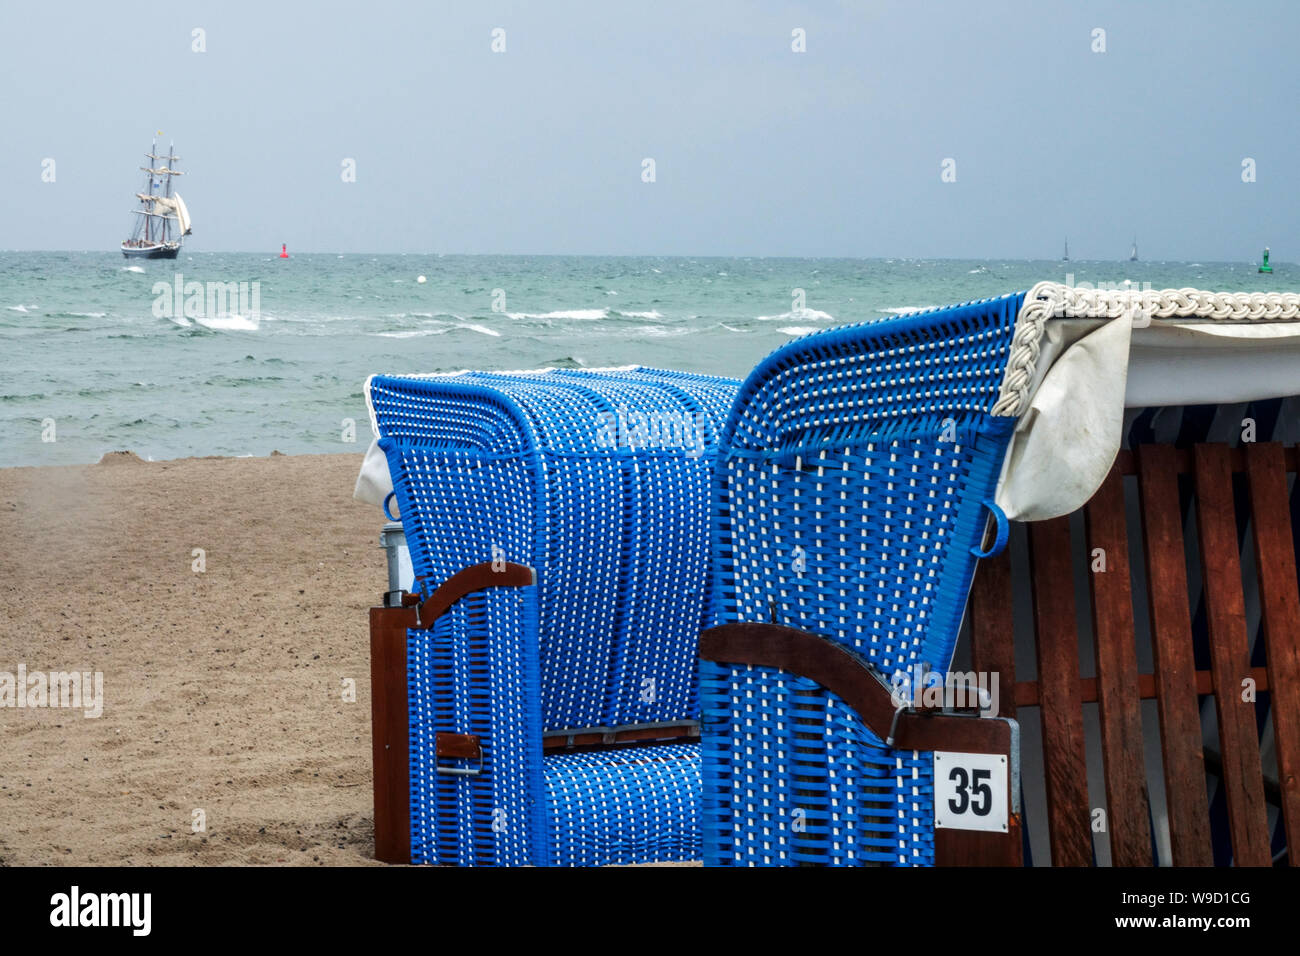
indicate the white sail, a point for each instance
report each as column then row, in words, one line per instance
column 162, row 206
column 183, row 214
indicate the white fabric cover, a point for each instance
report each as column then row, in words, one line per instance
column 1090, row 370
column 374, row 482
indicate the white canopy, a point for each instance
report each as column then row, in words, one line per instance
column 1101, row 352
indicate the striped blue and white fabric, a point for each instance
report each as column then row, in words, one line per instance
column 854, row 485
column 600, row 481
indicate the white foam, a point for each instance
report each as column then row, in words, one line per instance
column 798, row 329
column 421, row 333
column 229, row 323
column 133, row 268
column 16, row 308
column 652, row 314
column 907, row 309
column 562, row 314
column 805, row 314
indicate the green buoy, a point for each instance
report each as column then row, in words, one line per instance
column 1264, row 266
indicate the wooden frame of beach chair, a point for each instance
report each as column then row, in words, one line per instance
column 1178, row 687
column 390, row 722
column 845, row 430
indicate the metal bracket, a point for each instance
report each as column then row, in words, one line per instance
column 457, row 747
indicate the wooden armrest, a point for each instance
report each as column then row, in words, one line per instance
column 477, row 577
column 848, row 675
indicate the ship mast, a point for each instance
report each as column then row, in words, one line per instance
column 171, row 159
column 148, row 182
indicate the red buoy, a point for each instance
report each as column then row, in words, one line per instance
column 284, row 250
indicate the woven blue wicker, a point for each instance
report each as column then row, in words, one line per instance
column 601, row 482
column 850, row 493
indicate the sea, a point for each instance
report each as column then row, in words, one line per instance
column 242, row 354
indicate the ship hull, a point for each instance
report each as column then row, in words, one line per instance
column 152, row 252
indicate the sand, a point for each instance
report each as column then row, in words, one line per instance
column 223, row 690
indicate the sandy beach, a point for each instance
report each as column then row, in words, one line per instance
column 223, row 689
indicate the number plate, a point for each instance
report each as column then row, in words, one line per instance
column 970, row 791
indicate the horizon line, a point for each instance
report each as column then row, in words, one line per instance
column 595, row 255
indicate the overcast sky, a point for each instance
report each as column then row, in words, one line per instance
column 758, row 150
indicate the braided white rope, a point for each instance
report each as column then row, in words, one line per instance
column 1055, row 300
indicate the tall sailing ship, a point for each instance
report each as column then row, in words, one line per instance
column 163, row 221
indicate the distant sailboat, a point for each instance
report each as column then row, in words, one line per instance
column 164, row 220
column 1065, row 256
column 1133, row 256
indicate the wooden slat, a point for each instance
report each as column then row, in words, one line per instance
column 992, row 628
column 1171, row 639
column 1026, row 691
column 980, row 848
column 1069, row 821
column 1126, row 460
column 390, row 732
column 1275, row 559
column 1128, row 809
column 1243, row 774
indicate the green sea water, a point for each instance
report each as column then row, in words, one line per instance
column 95, row 357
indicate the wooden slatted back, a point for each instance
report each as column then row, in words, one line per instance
column 1158, row 478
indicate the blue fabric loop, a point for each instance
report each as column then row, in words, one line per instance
column 388, row 498
column 1004, row 531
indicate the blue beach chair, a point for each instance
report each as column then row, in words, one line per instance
column 558, row 524
column 853, row 491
